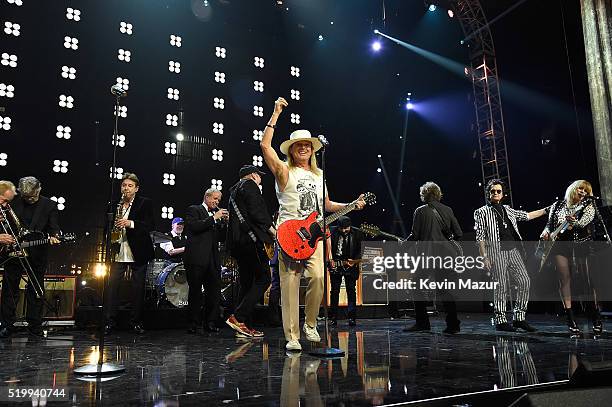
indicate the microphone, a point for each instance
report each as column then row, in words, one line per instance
column 323, row 140
column 118, row 91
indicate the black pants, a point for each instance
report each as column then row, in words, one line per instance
column 139, row 272
column 350, row 282
column 10, row 292
column 254, row 278
column 448, row 301
column 209, row 277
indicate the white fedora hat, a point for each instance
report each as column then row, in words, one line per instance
column 300, row 135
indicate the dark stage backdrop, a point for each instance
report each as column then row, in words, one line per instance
column 347, row 92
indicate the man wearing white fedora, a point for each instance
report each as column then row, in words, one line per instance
column 299, row 189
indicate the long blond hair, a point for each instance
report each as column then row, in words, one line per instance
column 571, row 193
column 313, row 161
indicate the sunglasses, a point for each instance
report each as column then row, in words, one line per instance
column 495, row 191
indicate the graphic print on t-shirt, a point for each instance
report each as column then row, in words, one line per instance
column 307, row 193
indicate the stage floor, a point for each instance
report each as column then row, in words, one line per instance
column 382, row 364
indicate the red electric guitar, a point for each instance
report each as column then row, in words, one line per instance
column 299, row 238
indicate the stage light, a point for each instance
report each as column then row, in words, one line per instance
column 216, row 183
column 258, row 62
column 331, row 22
column 295, row 71
column 376, row 46
column 5, row 123
column 295, row 94
column 3, row 159
column 219, row 103
column 220, row 52
column 217, row 155
column 376, row 32
column 169, row 179
column 170, row 148
column 167, row 212
column 7, row 90
column 61, row 202
column 174, row 67
column 9, row 60
column 409, row 106
column 99, row 271
column 60, row 166
column 295, row 118
column 124, row 55
column 451, row 13
column 15, row 2
column 73, row 14
column 66, row 101
column 63, row 132
column 120, row 140
column 71, row 43
column 171, row 120
column 258, row 111
column 220, row 77
column 68, row 72
column 379, row 156
column 258, row 161
column 125, row 28
column 432, row 7
column 205, row 3
column 320, row 37
column 122, row 111
column 217, row 128
column 180, row 137
column 124, row 83
column 118, row 174
column 378, row 169
column 258, row 86
column 12, row 28
column 84, row 282
column 176, row 41
column 257, row 135
column 173, row 94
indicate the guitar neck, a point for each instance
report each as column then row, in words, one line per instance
column 32, row 243
column 334, row 217
column 389, row 235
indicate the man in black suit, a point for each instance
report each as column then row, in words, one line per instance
column 250, row 226
column 203, row 225
column 134, row 221
column 35, row 213
column 345, row 250
column 433, row 224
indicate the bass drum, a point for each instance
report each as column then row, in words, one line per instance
column 172, row 286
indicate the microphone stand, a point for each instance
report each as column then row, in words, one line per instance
column 325, row 352
column 100, row 368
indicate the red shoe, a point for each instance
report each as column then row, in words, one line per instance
column 255, row 333
column 239, row 327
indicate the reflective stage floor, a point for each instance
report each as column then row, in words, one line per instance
column 382, row 364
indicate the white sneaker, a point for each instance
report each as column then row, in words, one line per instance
column 311, row 333
column 293, row 345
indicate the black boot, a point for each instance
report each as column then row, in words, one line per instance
column 571, row 323
column 597, row 322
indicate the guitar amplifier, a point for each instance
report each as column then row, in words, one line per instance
column 60, row 296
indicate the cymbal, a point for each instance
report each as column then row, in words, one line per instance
column 159, row 237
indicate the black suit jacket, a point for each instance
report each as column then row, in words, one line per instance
column 139, row 237
column 202, row 237
column 427, row 228
column 252, row 206
column 355, row 239
column 44, row 219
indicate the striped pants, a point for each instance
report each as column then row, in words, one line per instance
column 507, row 265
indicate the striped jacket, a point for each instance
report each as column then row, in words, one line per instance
column 486, row 225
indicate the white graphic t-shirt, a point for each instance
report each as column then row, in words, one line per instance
column 303, row 195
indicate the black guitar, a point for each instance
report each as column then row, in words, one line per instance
column 374, row 231
column 19, row 250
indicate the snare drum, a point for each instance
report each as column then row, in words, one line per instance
column 154, row 269
column 172, row 285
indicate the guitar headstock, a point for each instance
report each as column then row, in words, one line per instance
column 371, row 230
column 369, row 198
column 67, row 237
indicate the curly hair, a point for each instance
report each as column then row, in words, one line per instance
column 495, row 181
column 430, row 191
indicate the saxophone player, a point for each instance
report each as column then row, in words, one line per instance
column 133, row 222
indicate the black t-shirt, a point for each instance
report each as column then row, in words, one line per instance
column 177, row 243
column 506, row 231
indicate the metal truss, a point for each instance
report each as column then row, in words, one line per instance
column 487, row 98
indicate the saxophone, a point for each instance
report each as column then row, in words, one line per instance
column 117, row 232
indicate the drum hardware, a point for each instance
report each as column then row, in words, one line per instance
column 172, row 286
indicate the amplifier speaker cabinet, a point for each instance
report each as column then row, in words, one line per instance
column 60, row 296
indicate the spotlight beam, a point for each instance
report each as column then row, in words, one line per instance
column 398, row 215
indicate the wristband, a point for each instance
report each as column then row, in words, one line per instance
column 272, row 126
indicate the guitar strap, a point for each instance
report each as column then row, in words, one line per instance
column 445, row 230
column 239, row 214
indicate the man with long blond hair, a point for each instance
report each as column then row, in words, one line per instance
column 299, row 189
column 7, row 193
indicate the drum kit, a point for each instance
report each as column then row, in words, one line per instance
column 166, row 282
